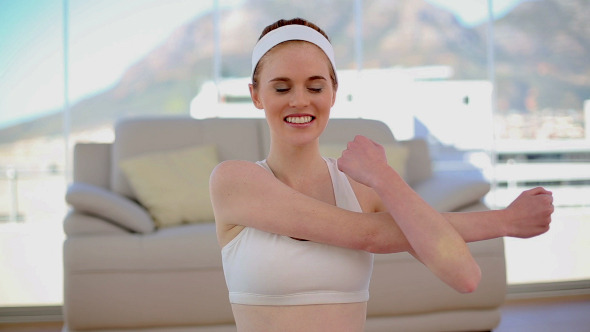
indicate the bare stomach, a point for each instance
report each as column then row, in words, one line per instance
column 345, row 317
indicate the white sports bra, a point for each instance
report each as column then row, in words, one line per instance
column 263, row 268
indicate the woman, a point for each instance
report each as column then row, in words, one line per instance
column 298, row 231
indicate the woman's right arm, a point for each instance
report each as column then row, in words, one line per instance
column 245, row 194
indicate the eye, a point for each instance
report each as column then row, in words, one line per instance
column 315, row 88
column 281, row 88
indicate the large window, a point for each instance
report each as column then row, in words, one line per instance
column 69, row 70
column 542, row 131
column 505, row 99
column 32, row 152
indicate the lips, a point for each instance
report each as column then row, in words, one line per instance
column 299, row 119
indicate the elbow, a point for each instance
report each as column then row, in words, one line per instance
column 377, row 243
column 380, row 249
column 469, row 282
column 468, row 287
column 369, row 244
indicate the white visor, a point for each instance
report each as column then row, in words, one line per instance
column 291, row 32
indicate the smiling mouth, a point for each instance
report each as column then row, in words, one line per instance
column 299, row 119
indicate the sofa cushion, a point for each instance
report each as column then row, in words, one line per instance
column 186, row 247
column 401, row 285
column 419, row 161
column 233, row 138
column 82, row 224
column 174, row 185
column 163, row 281
column 452, row 190
column 397, row 154
column 115, row 208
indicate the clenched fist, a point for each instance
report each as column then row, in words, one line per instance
column 364, row 161
column 530, row 213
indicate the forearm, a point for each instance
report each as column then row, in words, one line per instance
column 433, row 239
column 477, row 226
column 244, row 194
column 471, row 226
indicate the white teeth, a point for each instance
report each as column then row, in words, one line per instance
column 299, row 119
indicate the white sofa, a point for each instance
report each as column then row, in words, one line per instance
column 121, row 273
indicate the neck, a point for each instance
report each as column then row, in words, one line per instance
column 294, row 165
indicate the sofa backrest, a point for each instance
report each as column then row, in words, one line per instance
column 92, row 163
column 418, row 164
column 344, row 130
column 234, row 139
column 244, row 139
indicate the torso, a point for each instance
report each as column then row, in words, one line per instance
column 367, row 198
column 313, row 317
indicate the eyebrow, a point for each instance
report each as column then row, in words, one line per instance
column 286, row 79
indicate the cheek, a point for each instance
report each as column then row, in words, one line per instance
column 327, row 101
column 272, row 104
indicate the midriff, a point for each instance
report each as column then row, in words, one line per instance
column 345, row 317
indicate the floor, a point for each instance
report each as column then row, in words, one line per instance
column 571, row 314
column 31, row 327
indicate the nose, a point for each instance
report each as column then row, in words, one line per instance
column 299, row 98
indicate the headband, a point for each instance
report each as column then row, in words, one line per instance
column 291, row 32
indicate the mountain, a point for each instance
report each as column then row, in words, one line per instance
column 542, row 51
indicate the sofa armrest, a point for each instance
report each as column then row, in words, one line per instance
column 449, row 191
column 80, row 224
column 419, row 163
column 97, row 201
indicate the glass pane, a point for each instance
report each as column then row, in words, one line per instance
column 541, row 129
column 135, row 58
column 425, row 75
column 32, row 153
column 125, row 59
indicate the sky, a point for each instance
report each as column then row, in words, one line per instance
column 31, row 44
column 31, row 47
column 473, row 12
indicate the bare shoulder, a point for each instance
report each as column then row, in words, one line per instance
column 231, row 167
column 230, row 171
column 232, row 186
column 236, row 179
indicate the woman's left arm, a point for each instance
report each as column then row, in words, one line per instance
column 527, row 216
column 433, row 238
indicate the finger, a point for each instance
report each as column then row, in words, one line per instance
column 370, row 141
column 339, row 164
column 538, row 191
column 354, row 143
column 360, row 138
column 550, row 198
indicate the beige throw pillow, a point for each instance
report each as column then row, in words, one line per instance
column 174, row 185
column 397, row 155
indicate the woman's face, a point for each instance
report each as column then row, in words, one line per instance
column 295, row 90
